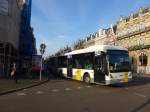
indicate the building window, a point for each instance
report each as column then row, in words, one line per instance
column 4, row 7
column 127, row 19
column 143, row 59
column 132, row 60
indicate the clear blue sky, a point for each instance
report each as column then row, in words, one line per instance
column 61, row 22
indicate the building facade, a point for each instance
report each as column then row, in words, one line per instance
column 17, row 41
column 10, row 19
column 102, row 37
column 26, row 30
column 27, row 40
column 133, row 32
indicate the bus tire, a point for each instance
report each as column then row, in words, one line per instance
column 87, row 78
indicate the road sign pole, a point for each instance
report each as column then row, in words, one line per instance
column 41, row 68
column 42, row 50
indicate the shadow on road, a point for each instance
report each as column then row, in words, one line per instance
column 141, row 106
column 136, row 81
column 54, row 76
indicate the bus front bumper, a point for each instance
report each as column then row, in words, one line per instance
column 117, row 81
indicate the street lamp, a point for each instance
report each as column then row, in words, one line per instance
column 42, row 50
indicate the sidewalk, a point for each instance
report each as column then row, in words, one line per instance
column 8, row 86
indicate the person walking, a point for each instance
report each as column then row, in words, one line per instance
column 14, row 73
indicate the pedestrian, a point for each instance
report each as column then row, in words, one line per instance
column 14, row 73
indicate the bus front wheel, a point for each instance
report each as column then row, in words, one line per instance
column 87, row 78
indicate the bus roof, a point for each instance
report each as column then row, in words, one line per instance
column 94, row 48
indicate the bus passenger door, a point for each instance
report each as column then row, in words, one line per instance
column 99, row 75
column 69, row 67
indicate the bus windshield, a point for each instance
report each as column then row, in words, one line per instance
column 119, row 61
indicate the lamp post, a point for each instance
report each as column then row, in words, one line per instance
column 42, row 50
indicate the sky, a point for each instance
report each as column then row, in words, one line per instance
column 59, row 23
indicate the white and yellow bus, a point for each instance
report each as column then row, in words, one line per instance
column 101, row 64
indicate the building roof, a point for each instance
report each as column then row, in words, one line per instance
column 95, row 48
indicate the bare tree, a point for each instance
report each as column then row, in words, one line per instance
column 78, row 44
column 63, row 51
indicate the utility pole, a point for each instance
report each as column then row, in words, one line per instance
column 42, row 51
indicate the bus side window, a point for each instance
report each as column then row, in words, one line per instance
column 77, row 63
column 88, row 64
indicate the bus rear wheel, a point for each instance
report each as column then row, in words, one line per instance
column 87, row 79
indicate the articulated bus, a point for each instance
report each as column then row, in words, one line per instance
column 101, row 64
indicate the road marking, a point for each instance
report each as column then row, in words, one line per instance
column 88, row 86
column 126, row 88
column 21, row 94
column 141, row 95
column 39, row 92
column 67, row 89
column 54, row 90
column 97, row 85
column 79, row 87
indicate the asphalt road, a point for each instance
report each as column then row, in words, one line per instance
column 72, row 96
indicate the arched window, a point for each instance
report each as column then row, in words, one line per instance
column 143, row 59
column 132, row 60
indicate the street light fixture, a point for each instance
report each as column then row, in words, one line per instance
column 42, row 50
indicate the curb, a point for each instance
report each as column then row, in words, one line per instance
column 26, row 87
column 142, row 76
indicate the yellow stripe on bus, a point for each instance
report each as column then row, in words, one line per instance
column 78, row 75
column 126, row 77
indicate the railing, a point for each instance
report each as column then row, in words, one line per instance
column 143, row 70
